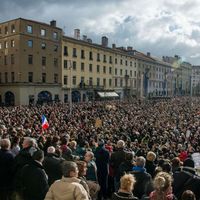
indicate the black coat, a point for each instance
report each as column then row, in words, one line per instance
column 186, row 180
column 34, row 181
column 116, row 159
column 52, row 166
column 150, row 167
column 6, row 170
column 143, row 183
column 122, row 195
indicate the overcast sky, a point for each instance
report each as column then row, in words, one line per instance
column 162, row 27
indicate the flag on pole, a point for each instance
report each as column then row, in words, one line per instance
column 45, row 123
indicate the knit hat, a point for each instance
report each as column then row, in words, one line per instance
column 188, row 163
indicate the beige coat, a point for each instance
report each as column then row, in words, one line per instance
column 67, row 189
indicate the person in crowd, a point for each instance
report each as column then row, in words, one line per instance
column 186, row 179
column 162, row 187
column 188, row 195
column 143, row 179
column 150, row 163
column 6, row 173
column 102, row 161
column 34, row 179
column 52, row 165
column 15, row 148
column 127, row 183
column 176, row 164
column 68, row 187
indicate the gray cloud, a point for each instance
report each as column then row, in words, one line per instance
column 159, row 26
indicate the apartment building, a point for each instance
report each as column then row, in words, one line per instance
column 30, row 59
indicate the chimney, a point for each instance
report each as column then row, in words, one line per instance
column 53, row 23
column 129, row 48
column 104, row 41
column 85, row 38
column 148, row 54
column 77, row 34
column 114, row 46
column 89, row 40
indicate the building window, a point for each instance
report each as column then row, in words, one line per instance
column 82, row 83
column 90, row 81
column 121, row 82
column 13, row 28
column 131, row 73
column 126, row 62
column 6, row 30
column 65, row 64
column 43, row 45
column 90, row 67
column 74, row 52
column 82, row 67
column 131, row 64
column 98, row 69
column 135, row 73
column 30, row 59
column 29, row 29
column 43, row 61
column 110, row 60
column 74, row 65
column 104, row 69
column 115, row 71
column 43, row 32
column 104, row 82
column 6, row 44
column 5, row 60
column 6, row 77
column 65, row 80
column 65, row 51
column 12, row 77
column 65, row 98
column 55, row 35
column 55, row 62
column 126, row 72
column 43, row 77
column 55, row 78
column 121, row 62
column 90, row 56
column 82, row 54
column 12, row 59
column 115, row 60
column 30, row 77
column 110, row 70
column 74, row 80
column 98, row 57
column 121, row 72
column 115, row 82
column 104, row 58
column 30, row 43
column 110, row 82
column 12, row 43
column 98, row 81
column 55, row 48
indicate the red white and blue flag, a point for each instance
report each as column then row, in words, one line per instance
column 45, row 123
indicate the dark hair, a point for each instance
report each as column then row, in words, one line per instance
column 188, row 195
column 38, row 155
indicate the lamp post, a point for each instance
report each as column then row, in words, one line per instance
column 70, row 87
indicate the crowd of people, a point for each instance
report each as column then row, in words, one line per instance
column 138, row 149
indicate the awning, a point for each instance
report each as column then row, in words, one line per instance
column 107, row 94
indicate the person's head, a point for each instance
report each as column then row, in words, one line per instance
column 188, row 163
column 176, row 162
column 127, row 182
column 120, row 144
column 51, row 149
column 188, row 195
column 162, row 182
column 69, row 169
column 167, row 167
column 73, row 144
column 28, row 142
column 140, row 161
column 5, row 144
column 82, row 168
column 38, row 156
column 151, row 156
column 89, row 156
column 129, row 156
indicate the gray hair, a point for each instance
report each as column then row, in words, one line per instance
column 140, row 161
column 68, row 167
column 120, row 144
column 51, row 149
column 5, row 144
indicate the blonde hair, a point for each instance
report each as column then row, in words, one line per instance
column 151, row 156
column 127, row 182
column 162, row 182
